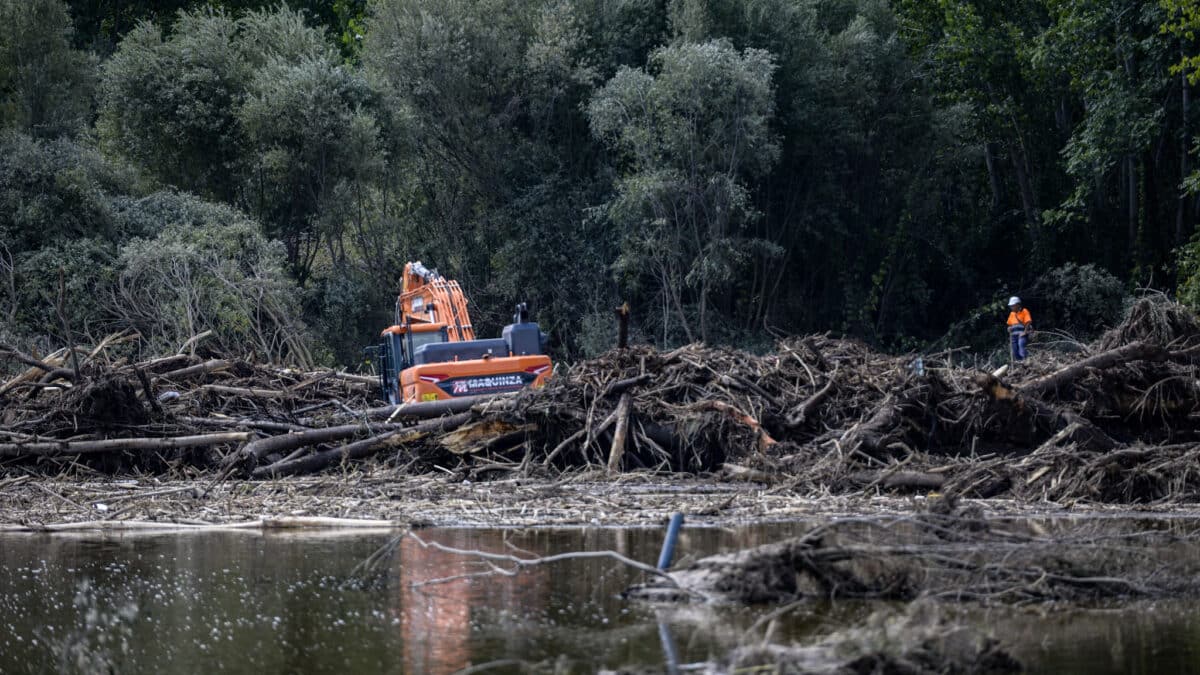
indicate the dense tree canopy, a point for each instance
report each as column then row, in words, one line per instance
column 734, row 169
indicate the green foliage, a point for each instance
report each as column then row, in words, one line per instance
column 309, row 121
column 216, row 273
column 1189, row 273
column 86, row 266
column 55, row 191
column 169, row 103
column 257, row 111
column 1183, row 21
column 1079, row 299
column 692, row 127
column 168, row 265
column 45, row 84
column 734, row 168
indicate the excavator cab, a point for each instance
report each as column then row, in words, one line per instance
column 431, row 352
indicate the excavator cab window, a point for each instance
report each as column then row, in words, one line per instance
column 421, row 336
column 426, row 338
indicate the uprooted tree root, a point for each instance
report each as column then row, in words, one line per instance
column 1118, row 422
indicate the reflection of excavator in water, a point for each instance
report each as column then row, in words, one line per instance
column 431, row 353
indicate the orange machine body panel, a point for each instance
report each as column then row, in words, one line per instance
column 474, row 377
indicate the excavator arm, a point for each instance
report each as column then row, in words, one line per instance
column 428, row 298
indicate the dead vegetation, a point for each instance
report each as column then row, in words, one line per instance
column 957, row 556
column 1116, row 422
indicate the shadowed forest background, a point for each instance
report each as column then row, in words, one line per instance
column 735, row 169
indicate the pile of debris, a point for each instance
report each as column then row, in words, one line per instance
column 958, row 555
column 1117, row 421
column 174, row 413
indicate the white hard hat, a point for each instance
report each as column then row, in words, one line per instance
column 1014, row 300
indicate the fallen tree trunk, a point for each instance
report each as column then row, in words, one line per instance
column 912, row 480
column 236, row 422
column 1136, row 351
column 872, row 435
column 256, row 450
column 53, row 448
column 21, row 356
column 428, row 409
column 359, row 449
column 246, row 391
column 801, row 413
column 421, row 410
column 198, row 369
column 621, row 386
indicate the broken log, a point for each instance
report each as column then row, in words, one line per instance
column 50, row 364
column 427, row 409
column 243, row 423
column 617, row 450
column 163, row 362
column 764, row 439
column 198, row 369
column 248, row 392
column 899, row 480
column 471, row 437
column 873, row 435
column 359, row 449
column 28, row 360
column 621, row 386
column 53, row 448
column 1135, row 351
column 189, row 347
column 256, row 450
column 801, row 413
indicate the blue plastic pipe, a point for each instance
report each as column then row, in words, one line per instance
column 668, row 547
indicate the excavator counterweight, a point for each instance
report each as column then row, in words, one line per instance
column 431, row 353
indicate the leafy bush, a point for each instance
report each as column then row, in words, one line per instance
column 220, row 275
column 1188, row 259
column 55, row 190
column 86, row 267
column 1081, row 300
column 45, row 84
column 349, row 311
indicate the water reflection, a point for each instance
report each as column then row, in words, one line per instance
column 438, row 592
column 248, row 603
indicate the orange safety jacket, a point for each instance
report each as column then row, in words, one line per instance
column 1019, row 319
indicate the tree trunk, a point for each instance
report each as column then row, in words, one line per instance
column 989, row 156
column 1028, row 199
column 1182, row 221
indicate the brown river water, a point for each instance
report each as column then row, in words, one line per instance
column 242, row 602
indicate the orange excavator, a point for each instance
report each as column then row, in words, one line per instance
column 431, row 352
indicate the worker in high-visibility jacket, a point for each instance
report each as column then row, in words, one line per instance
column 1020, row 327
